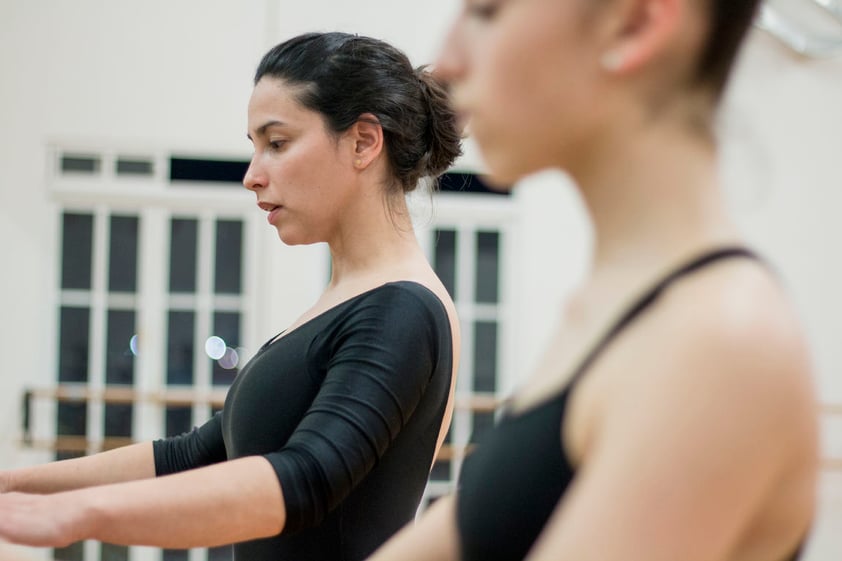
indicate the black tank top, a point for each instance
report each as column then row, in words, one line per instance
column 511, row 484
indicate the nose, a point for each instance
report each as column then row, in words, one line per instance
column 254, row 178
column 450, row 65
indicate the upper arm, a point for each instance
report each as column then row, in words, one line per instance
column 683, row 456
column 200, row 447
column 380, row 368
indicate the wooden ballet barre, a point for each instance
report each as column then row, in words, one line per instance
column 447, row 453
column 187, row 397
column 832, row 464
column 124, row 395
column 832, row 408
column 79, row 444
column 480, row 403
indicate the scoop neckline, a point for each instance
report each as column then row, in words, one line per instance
column 287, row 332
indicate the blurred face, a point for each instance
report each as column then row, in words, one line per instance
column 523, row 75
column 299, row 172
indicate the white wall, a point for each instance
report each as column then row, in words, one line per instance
column 782, row 132
column 153, row 74
column 175, row 75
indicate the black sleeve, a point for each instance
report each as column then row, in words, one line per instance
column 383, row 359
column 200, row 447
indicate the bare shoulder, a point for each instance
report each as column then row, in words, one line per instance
column 738, row 321
column 733, row 344
column 706, row 404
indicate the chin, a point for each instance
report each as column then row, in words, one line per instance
column 295, row 238
column 502, row 178
column 502, row 170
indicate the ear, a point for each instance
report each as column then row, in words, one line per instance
column 366, row 138
column 641, row 31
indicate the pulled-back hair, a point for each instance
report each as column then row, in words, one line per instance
column 728, row 23
column 343, row 76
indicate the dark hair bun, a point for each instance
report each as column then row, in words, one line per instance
column 444, row 141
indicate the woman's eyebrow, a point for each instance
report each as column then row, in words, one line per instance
column 261, row 130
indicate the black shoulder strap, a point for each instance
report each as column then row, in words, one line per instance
column 651, row 295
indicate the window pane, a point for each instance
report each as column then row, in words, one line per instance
column 482, row 422
column 178, row 420
column 73, row 552
column 224, row 553
column 66, row 455
column 122, row 261
column 455, row 182
column 72, row 418
column 118, row 419
column 73, row 345
column 111, row 552
column 184, row 234
column 175, row 555
column 444, row 259
column 119, row 358
column 485, row 356
column 488, row 271
column 126, row 166
column 79, row 164
column 226, row 326
column 180, row 348
column 216, row 171
column 440, row 471
column 228, row 263
column 77, row 235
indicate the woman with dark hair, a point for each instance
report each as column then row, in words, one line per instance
column 327, row 436
column 672, row 417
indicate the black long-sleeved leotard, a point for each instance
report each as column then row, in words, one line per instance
column 347, row 408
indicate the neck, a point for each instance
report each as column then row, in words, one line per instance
column 653, row 196
column 373, row 241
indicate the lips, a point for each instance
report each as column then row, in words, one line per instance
column 271, row 208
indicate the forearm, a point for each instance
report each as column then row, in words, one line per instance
column 433, row 538
column 128, row 463
column 221, row 504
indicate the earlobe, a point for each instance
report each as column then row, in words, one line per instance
column 646, row 30
column 611, row 61
column 367, row 140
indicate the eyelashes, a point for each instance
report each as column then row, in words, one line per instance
column 483, row 11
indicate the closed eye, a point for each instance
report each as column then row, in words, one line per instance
column 483, row 11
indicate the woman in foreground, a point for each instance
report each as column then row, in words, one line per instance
column 672, row 417
column 328, row 434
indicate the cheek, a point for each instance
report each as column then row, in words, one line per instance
column 515, row 66
column 534, row 95
column 302, row 170
column 512, row 124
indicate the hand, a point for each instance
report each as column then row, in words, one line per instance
column 40, row 520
